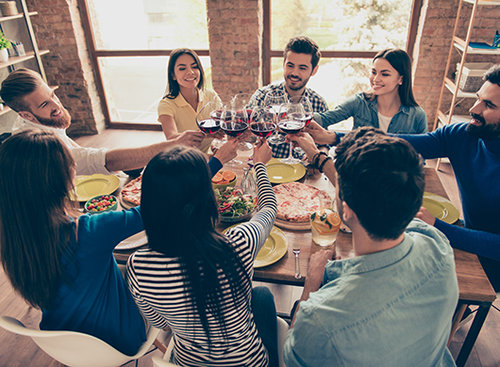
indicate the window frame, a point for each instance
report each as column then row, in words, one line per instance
column 96, row 53
column 267, row 53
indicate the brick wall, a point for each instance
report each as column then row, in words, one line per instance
column 432, row 47
column 58, row 29
column 235, row 36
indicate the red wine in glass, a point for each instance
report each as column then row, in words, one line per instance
column 263, row 129
column 307, row 118
column 209, row 126
column 234, row 128
column 249, row 112
column 291, row 126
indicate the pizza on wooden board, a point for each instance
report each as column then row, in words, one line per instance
column 297, row 201
column 131, row 192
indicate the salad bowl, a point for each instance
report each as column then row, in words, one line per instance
column 233, row 205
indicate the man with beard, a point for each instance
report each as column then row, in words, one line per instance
column 473, row 149
column 474, row 152
column 301, row 58
column 37, row 105
column 392, row 303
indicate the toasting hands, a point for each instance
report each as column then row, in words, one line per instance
column 306, row 142
column 190, row 138
column 262, row 152
column 319, row 134
column 227, row 151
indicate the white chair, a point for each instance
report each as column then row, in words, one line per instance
column 282, row 331
column 76, row 349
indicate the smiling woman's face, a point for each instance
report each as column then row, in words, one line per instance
column 186, row 71
column 384, row 78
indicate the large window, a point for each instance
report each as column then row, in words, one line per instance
column 349, row 33
column 130, row 41
column 130, row 44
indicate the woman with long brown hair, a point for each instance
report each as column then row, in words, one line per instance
column 58, row 261
column 389, row 105
column 186, row 95
column 194, row 279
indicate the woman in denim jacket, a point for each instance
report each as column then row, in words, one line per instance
column 390, row 104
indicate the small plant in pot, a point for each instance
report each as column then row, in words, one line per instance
column 4, row 45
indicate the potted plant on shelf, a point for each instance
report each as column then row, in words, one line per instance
column 4, row 45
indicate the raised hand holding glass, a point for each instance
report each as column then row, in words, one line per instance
column 208, row 120
column 291, row 121
column 273, row 102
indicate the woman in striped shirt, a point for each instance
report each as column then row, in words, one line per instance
column 193, row 279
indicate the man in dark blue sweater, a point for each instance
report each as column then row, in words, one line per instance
column 473, row 149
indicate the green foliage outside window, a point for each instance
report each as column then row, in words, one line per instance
column 339, row 25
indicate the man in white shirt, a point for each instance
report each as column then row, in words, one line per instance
column 25, row 92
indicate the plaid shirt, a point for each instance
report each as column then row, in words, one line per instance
column 318, row 105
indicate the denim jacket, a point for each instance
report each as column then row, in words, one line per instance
column 408, row 120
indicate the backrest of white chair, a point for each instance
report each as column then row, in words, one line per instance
column 75, row 349
column 282, row 331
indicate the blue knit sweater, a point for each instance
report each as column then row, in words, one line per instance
column 476, row 163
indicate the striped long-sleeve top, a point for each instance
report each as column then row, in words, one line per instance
column 158, row 287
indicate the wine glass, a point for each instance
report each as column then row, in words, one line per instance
column 291, row 121
column 308, row 108
column 208, row 120
column 241, row 101
column 233, row 123
column 308, row 115
column 262, row 122
column 273, row 102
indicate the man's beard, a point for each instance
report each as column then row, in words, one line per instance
column 299, row 86
column 484, row 131
column 60, row 123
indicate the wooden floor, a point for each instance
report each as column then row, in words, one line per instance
column 18, row 351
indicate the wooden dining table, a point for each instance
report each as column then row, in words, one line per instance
column 473, row 284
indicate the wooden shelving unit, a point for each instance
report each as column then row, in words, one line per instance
column 21, row 23
column 18, row 59
column 461, row 45
column 17, row 16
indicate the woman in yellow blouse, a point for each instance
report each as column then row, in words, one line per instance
column 185, row 95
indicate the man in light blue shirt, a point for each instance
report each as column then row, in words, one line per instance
column 392, row 303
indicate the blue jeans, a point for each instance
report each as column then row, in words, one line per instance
column 264, row 314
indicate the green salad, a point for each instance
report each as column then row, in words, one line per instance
column 233, row 203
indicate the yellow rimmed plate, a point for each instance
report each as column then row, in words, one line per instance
column 275, row 247
column 440, row 208
column 280, row 172
column 87, row 187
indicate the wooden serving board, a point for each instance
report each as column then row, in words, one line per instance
column 126, row 204
column 296, row 226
